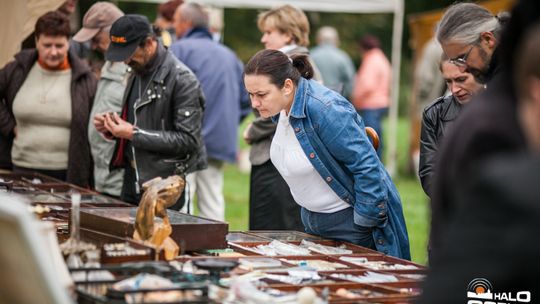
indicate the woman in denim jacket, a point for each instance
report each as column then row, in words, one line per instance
column 321, row 150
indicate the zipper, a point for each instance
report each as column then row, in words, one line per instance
column 135, row 108
column 137, row 187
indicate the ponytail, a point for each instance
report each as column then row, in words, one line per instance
column 301, row 63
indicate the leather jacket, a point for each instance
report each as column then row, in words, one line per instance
column 436, row 122
column 168, row 121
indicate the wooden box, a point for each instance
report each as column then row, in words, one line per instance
column 190, row 232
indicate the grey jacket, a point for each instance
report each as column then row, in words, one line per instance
column 108, row 98
column 262, row 129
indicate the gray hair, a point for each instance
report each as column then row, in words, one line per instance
column 195, row 13
column 329, row 35
column 464, row 22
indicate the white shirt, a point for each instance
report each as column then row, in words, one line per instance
column 307, row 186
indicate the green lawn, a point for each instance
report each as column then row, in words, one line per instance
column 414, row 201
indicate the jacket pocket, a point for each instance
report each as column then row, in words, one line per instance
column 181, row 165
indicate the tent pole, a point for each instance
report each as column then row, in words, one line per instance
column 397, row 33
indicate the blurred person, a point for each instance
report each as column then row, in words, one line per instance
column 371, row 93
column 336, row 67
column 47, row 95
column 165, row 21
column 220, row 73
column 68, row 7
column 343, row 188
column 429, row 85
column 158, row 132
column 215, row 22
column 271, row 206
column 500, row 210
column 439, row 117
column 471, row 37
column 97, row 24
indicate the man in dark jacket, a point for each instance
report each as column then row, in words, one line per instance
column 159, row 129
column 220, row 73
column 493, row 233
column 470, row 36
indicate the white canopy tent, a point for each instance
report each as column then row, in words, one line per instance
column 19, row 20
column 343, row 6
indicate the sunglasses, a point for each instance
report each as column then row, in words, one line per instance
column 461, row 61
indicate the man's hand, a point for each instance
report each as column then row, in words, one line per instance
column 99, row 124
column 117, row 126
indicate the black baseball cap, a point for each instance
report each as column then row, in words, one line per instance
column 126, row 34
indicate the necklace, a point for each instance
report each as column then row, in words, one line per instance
column 147, row 86
column 45, row 91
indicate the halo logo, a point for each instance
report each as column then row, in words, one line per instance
column 480, row 291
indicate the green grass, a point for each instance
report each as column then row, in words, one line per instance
column 414, row 201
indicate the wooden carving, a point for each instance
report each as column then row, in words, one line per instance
column 159, row 194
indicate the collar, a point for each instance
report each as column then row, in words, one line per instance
column 62, row 67
column 155, row 61
column 453, row 108
column 286, row 49
column 494, row 66
column 298, row 108
column 197, row 32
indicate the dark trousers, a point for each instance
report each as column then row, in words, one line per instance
column 271, row 205
column 130, row 195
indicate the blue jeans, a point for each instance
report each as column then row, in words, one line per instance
column 337, row 226
column 373, row 118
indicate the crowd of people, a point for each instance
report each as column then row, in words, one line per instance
column 171, row 104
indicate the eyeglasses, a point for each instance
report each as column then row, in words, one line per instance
column 462, row 60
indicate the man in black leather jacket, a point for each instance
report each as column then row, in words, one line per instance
column 159, row 130
column 438, row 117
column 487, row 127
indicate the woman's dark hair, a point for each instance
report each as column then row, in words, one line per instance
column 52, row 24
column 278, row 66
column 369, row 42
column 166, row 10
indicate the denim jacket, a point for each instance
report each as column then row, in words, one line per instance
column 332, row 135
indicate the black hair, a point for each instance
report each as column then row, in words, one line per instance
column 278, row 66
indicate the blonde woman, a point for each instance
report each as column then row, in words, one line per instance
column 272, row 206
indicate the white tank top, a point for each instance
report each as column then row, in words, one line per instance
column 307, row 186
